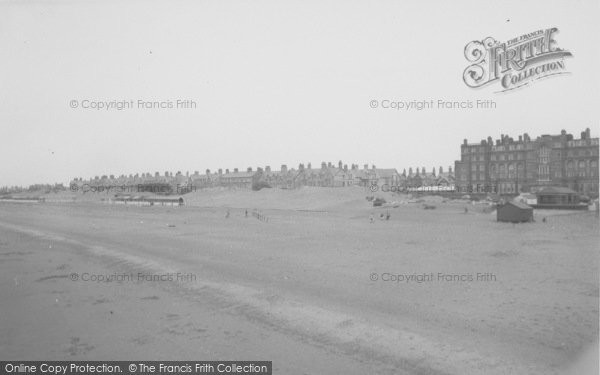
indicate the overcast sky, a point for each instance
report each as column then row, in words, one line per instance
column 275, row 82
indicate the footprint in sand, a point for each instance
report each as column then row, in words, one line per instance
column 51, row 278
column 174, row 330
column 9, row 253
column 101, row 300
column 345, row 324
column 172, row 316
column 141, row 340
column 149, row 298
column 78, row 348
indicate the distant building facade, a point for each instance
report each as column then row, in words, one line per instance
column 419, row 177
column 511, row 166
column 328, row 175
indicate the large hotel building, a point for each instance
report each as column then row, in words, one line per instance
column 511, row 166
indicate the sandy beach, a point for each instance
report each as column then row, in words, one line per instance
column 315, row 290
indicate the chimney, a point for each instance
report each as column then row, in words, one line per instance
column 267, row 169
column 227, row 171
column 300, row 167
column 283, row 168
column 423, row 171
column 340, row 164
column 372, row 166
column 235, row 170
column 220, row 171
column 366, row 166
column 249, row 169
column 323, row 165
column 450, row 170
column 309, row 166
column 207, row 172
column 404, row 172
column 563, row 132
column 329, row 164
column 345, row 167
column 465, row 141
column 410, row 171
column 441, row 170
column 587, row 133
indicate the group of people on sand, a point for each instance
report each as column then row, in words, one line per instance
column 255, row 213
column 381, row 217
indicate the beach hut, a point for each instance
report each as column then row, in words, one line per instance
column 514, row 212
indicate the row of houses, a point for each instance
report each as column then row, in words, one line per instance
column 327, row 175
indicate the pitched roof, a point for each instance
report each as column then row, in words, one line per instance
column 556, row 190
column 386, row 172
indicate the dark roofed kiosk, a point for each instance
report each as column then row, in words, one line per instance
column 557, row 197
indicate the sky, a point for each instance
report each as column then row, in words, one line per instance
column 274, row 82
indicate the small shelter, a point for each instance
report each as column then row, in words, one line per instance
column 514, row 212
column 557, row 197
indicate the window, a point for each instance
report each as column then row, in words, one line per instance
column 511, row 170
column 581, row 169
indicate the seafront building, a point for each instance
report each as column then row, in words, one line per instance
column 512, row 166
